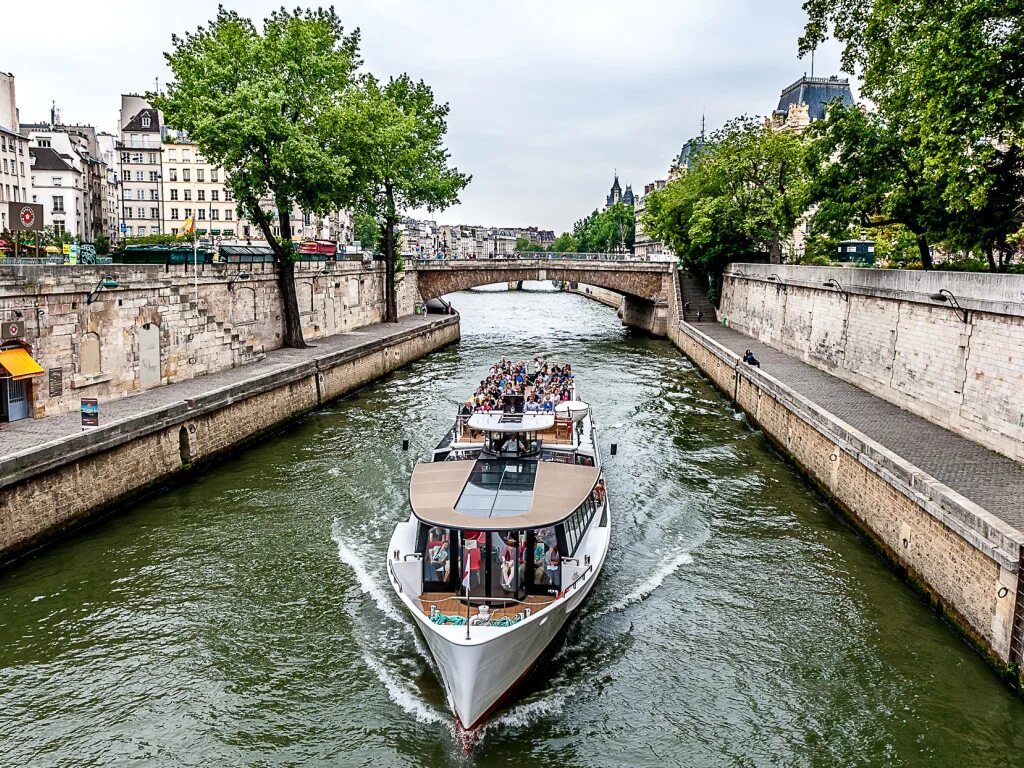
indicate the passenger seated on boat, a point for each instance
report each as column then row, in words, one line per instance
column 531, row 405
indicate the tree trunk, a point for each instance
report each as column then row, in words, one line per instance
column 991, row 258
column 291, row 326
column 390, row 304
column 926, row 254
column 775, row 250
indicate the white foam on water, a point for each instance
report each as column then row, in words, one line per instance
column 522, row 715
column 378, row 593
column 648, row 585
column 404, row 696
column 334, row 471
column 367, row 583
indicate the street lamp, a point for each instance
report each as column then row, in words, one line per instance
column 833, row 283
column 944, row 295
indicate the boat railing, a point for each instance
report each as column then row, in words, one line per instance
column 394, row 576
column 579, row 577
column 471, row 620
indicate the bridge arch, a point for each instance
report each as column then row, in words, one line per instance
column 646, row 286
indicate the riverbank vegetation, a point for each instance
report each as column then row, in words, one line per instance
column 930, row 167
column 289, row 114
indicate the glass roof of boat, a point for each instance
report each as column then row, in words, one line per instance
column 498, row 488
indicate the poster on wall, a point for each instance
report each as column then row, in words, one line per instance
column 55, row 378
column 90, row 412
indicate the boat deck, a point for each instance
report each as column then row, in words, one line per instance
column 452, row 605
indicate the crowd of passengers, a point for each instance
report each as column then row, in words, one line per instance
column 509, row 554
column 534, row 387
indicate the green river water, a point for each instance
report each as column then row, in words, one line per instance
column 245, row 618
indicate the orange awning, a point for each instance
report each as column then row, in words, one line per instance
column 19, row 364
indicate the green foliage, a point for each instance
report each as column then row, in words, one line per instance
column 397, row 130
column 523, row 244
column 564, row 243
column 866, row 172
column 743, row 195
column 102, row 245
column 947, row 81
column 157, row 239
column 269, row 106
column 612, row 230
column 367, row 230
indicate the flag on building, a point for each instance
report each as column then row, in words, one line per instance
column 188, row 227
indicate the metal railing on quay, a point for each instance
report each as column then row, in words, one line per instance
column 537, row 256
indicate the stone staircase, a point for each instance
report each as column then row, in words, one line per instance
column 690, row 292
column 212, row 344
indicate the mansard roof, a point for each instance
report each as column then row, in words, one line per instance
column 47, row 159
column 816, row 93
column 135, row 124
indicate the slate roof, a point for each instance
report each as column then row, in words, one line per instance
column 688, row 153
column 135, row 124
column 816, row 93
column 47, row 159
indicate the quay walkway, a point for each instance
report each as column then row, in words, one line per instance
column 990, row 480
column 28, row 434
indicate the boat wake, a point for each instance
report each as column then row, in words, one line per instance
column 404, row 696
column 367, row 583
column 645, row 588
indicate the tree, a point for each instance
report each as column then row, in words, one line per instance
column 523, row 244
column 564, row 243
column 366, row 230
column 267, row 106
column 102, row 244
column 951, row 78
column 867, row 173
column 743, row 195
column 398, row 130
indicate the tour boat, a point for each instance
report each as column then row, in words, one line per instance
column 508, row 532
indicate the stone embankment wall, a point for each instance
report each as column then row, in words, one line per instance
column 151, row 330
column 964, row 558
column 883, row 331
column 50, row 488
column 603, row 295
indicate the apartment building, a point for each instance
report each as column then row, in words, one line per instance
column 139, row 167
column 78, row 146
column 14, row 154
column 58, row 183
column 195, row 187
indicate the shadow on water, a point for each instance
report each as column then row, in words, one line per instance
column 245, row 618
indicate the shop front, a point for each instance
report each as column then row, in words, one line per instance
column 17, row 370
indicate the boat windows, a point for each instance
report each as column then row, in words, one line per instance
column 437, row 560
column 546, row 561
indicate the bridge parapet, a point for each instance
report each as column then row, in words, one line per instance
column 645, row 284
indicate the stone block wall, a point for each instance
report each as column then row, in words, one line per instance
column 964, row 558
column 884, row 332
column 53, row 487
column 161, row 325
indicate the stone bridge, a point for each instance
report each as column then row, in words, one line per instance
column 645, row 285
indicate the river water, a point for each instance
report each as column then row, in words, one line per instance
column 245, row 618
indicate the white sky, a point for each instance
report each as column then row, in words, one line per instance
column 547, row 97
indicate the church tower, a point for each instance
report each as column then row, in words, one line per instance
column 615, row 196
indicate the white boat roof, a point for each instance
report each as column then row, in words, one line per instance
column 498, row 495
column 495, row 421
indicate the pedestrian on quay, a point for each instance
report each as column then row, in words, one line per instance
column 749, row 359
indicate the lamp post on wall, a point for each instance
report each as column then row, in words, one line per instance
column 944, row 295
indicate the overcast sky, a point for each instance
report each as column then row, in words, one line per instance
column 548, row 97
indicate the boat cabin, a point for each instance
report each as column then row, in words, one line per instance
column 498, row 528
